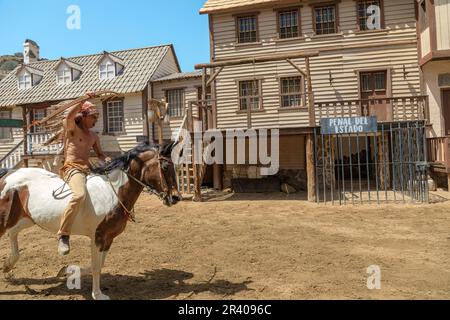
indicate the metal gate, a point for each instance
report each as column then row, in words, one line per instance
column 387, row 166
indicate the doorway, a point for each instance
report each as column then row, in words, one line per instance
column 373, row 86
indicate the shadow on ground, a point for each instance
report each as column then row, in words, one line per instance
column 150, row 285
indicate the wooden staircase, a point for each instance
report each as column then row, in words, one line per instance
column 14, row 158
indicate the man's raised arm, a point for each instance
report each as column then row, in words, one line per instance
column 69, row 121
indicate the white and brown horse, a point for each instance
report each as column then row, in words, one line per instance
column 29, row 197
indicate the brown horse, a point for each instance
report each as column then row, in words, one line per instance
column 31, row 197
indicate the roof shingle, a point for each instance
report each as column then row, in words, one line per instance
column 212, row 6
column 140, row 66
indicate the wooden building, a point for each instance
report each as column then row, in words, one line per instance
column 433, row 28
column 32, row 90
column 362, row 61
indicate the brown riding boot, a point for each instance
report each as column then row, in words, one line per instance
column 64, row 245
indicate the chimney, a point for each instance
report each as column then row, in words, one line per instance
column 30, row 51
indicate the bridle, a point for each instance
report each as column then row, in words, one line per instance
column 150, row 189
column 146, row 187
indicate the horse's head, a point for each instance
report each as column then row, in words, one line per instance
column 159, row 111
column 154, row 169
column 150, row 166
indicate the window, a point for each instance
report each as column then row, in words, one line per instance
column 107, row 70
column 5, row 133
column 64, row 76
column 37, row 115
column 175, row 99
column 369, row 14
column 325, row 19
column 25, row 81
column 291, row 92
column 289, row 24
column 249, row 95
column 380, row 81
column 114, row 117
column 247, row 29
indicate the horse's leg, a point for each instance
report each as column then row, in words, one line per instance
column 13, row 238
column 97, row 259
column 87, row 271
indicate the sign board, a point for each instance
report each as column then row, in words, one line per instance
column 331, row 126
column 444, row 80
column 11, row 123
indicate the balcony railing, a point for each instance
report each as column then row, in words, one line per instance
column 385, row 109
column 35, row 145
column 439, row 151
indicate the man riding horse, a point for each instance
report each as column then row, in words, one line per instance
column 79, row 139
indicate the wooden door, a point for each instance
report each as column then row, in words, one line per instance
column 374, row 86
column 446, row 109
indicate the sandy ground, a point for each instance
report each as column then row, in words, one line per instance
column 276, row 248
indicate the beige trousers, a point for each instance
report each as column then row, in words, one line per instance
column 76, row 179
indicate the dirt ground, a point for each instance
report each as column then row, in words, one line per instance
column 252, row 247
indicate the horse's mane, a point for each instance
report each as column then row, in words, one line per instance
column 123, row 162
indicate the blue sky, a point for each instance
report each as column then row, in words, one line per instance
column 106, row 25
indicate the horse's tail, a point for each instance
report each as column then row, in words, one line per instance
column 13, row 207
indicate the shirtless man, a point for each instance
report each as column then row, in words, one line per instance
column 79, row 139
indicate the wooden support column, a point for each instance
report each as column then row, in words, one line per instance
column 312, row 115
column 204, row 95
column 310, row 168
column 160, row 132
column 145, row 112
column 25, row 134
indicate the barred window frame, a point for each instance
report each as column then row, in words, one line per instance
column 176, row 98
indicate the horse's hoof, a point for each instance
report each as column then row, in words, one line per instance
column 100, row 296
column 7, row 268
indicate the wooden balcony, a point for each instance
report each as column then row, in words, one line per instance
column 392, row 109
column 439, row 153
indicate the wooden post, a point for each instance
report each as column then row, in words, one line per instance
column 310, row 168
column 160, row 132
column 204, row 104
column 312, row 115
column 145, row 111
column 25, row 134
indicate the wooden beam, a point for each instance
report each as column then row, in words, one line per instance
column 258, row 59
column 310, row 168
column 302, row 72
column 214, row 76
column 25, row 134
column 312, row 114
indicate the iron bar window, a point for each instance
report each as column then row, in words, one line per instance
column 175, row 98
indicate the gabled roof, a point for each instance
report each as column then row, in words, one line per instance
column 140, row 64
column 30, row 69
column 112, row 57
column 180, row 76
column 69, row 63
column 215, row 6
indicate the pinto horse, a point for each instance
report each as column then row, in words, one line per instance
column 30, row 197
